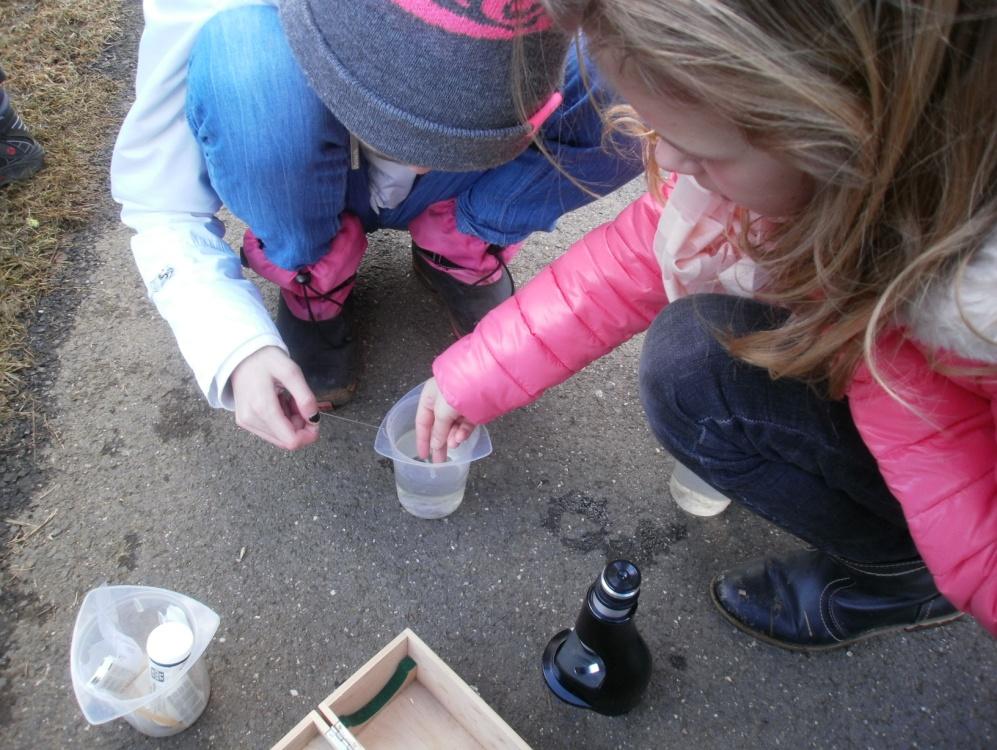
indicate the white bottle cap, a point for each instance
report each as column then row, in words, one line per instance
column 169, row 644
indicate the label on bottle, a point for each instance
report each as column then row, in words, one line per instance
column 182, row 703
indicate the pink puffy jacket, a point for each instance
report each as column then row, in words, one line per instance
column 939, row 459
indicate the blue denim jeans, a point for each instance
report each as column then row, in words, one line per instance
column 781, row 448
column 279, row 159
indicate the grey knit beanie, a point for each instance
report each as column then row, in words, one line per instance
column 431, row 82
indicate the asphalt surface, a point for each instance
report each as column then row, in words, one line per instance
column 313, row 565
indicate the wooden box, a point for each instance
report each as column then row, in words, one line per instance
column 391, row 704
column 309, row 734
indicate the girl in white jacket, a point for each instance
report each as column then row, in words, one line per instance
column 303, row 122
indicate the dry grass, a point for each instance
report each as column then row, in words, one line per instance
column 51, row 51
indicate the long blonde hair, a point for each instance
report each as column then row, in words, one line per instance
column 889, row 104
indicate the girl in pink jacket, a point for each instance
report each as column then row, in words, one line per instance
column 819, row 280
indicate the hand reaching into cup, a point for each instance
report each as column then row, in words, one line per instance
column 438, row 426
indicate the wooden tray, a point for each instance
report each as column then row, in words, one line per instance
column 309, row 734
column 430, row 708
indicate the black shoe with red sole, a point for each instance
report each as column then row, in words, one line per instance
column 21, row 156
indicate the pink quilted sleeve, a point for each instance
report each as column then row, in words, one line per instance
column 940, row 462
column 606, row 288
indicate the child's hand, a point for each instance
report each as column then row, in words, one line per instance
column 438, row 425
column 273, row 401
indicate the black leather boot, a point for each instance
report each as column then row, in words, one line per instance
column 326, row 352
column 812, row 601
column 466, row 304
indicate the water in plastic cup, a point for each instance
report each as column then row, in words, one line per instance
column 425, row 489
column 426, row 493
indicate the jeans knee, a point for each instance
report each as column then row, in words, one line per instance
column 246, row 93
column 681, row 367
column 681, row 340
column 237, row 54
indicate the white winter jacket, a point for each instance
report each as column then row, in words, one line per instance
column 159, row 177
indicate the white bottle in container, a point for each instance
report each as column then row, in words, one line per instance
column 184, row 693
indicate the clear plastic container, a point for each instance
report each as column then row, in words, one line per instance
column 111, row 671
column 693, row 495
column 426, row 490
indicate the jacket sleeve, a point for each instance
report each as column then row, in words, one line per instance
column 938, row 455
column 606, row 288
column 160, row 179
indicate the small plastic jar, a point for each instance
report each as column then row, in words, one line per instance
column 183, row 688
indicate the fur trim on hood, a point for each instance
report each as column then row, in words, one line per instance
column 950, row 311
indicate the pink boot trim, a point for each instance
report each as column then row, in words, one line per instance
column 316, row 291
column 435, row 230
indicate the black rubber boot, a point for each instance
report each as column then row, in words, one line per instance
column 812, row 601
column 326, row 352
column 466, row 304
column 21, row 156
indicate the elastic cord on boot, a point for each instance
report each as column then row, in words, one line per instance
column 496, row 252
column 304, row 278
column 448, row 265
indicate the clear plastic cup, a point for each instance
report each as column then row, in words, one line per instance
column 693, row 495
column 426, row 490
column 110, row 668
